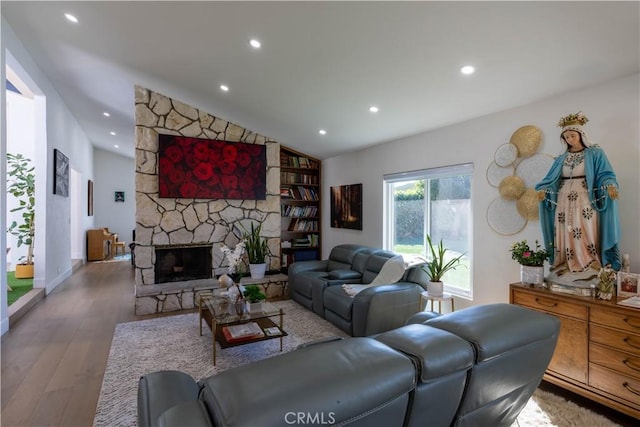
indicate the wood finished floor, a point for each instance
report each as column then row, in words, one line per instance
column 54, row 358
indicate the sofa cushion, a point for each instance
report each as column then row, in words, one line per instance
column 341, row 256
column 304, row 282
column 345, row 275
column 437, row 352
column 374, row 265
column 349, row 379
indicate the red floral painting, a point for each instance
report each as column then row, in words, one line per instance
column 196, row 168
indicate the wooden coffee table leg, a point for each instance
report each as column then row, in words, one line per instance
column 281, row 313
column 214, row 328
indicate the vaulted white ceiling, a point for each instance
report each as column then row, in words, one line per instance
column 323, row 64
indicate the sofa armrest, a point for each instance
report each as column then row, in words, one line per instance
column 346, row 275
column 192, row 414
column 382, row 308
column 159, row 391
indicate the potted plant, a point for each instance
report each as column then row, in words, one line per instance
column 531, row 261
column 437, row 266
column 257, row 250
column 254, row 297
column 21, row 180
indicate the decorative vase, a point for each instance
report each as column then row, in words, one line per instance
column 257, row 270
column 531, row 274
column 24, row 271
column 254, row 307
column 435, row 289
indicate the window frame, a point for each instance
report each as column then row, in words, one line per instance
column 464, row 169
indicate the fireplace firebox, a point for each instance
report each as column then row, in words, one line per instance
column 176, row 263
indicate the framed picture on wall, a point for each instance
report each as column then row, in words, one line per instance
column 119, row 196
column 60, row 173
column 346, row 206
column 90, row 198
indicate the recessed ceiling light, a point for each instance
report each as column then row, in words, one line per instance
column 374, row 109
column 255, row 43
column 224, row 88
column 106, row 114
column 116, row 145
column 467, row 69
column 322, row 132
column 71, row 18
column 112, row 133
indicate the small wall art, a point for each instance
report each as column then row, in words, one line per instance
column 628, row 284
column 90, row 198
column 119, row 196
column 60, row 173
column 346, row 206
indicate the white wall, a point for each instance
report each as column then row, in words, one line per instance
column 614, row 111
column 114, row 173
column 61, row 131
column 4, row 318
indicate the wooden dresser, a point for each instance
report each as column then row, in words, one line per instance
column 598, row 351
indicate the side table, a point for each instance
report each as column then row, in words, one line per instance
column 424, row 296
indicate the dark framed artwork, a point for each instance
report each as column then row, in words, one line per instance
column 60, row 173
column 197, row 168
column 346, row 206
column 90, row 198
column 119, row 196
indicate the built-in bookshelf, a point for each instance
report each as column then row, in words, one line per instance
column 299, row 207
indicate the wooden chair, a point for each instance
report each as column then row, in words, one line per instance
column 119, row 245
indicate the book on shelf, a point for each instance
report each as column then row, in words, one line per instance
column 241, row 332
column 633, row 301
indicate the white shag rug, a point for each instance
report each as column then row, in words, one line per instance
column 173, row 342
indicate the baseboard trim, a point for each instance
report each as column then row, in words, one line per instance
column 25, row 303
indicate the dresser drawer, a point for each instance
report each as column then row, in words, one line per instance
column 624, row 363
column 617, row 320
column 623, row 387
column 613, row 338
column 550, row 304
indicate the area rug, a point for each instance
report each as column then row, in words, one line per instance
column 116, row 258
column 174, row 343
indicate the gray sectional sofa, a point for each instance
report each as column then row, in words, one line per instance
column 475, row 367
column 317, row 286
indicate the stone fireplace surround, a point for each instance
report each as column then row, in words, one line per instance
column 169, row 221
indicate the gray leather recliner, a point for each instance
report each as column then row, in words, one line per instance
column 477, row 366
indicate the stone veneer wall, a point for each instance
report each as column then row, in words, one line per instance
column 162, row 221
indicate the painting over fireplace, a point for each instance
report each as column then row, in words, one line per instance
column 211, row 169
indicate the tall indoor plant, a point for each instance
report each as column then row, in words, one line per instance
column 437, row 266
column 21, row 180
column 257, row 250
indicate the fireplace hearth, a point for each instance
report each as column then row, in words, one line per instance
column 175, row 263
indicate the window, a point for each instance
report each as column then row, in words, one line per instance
column 434, row 202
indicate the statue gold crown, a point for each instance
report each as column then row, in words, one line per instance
column 573, row 119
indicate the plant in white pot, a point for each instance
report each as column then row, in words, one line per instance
column 257, row 250
column 531, row 261
column 21, row 180
column 437, row 266
column 254, row 297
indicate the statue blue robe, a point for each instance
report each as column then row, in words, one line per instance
column 599, row 174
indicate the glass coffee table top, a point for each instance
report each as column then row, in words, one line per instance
column 226, row 312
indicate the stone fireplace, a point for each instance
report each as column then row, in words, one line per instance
column 165, row 224
column 178, row 263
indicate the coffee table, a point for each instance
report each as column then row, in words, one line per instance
column 215, row 308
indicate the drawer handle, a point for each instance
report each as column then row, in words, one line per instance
column 630, row 342
column 631, row 322
column 630, row 365
column 631, row 389
column 546, row 304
